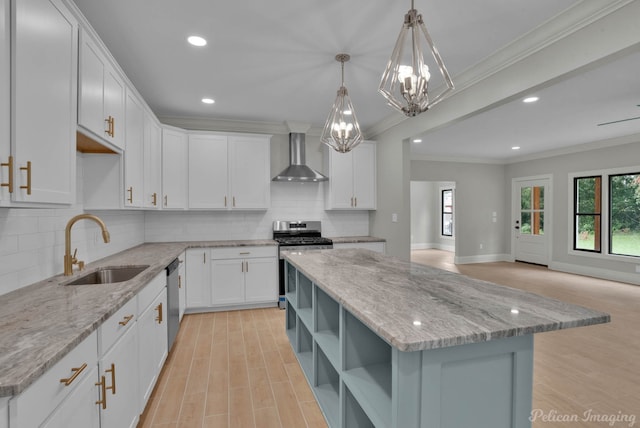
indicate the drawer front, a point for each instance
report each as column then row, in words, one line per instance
column 149, row 293
column 243, row 252
column 42, row 397
column 116, row 325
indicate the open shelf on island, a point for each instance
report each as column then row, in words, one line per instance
column 327, row 389
column 354, row 415
column 291, row 284
column 305, row 350
column 305, row 301
column 291, row 323
column 328, row 326
column 367, row 370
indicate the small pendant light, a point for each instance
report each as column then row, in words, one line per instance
column 342, row 131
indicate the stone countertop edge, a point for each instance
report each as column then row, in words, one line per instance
column 388, row 295
column 44, row 321
column 355, row 239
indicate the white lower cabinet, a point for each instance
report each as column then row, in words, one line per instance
column 118, row 387
column 199, row 285
column 152, row 345
column 79, row 409
column 55, row 389
column 182, row 285
column 231, row 276
column 244, row 275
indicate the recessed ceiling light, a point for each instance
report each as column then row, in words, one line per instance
column 417, row 323
column 208, row 101
column 515, row 311
column 197, row 41
column 417, row 140
column 530, row 100
column 515, row 148
column 348, row 112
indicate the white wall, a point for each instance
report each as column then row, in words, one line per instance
column 425, row 216
column 480, row 191
column 32, row 240
column 393, row 167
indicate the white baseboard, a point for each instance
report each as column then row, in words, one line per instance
column 611, row 275
column 433, row 246
column 484, row 258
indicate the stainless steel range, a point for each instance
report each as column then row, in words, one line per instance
column 297, row 236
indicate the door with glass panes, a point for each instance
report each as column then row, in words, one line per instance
column 531, row 203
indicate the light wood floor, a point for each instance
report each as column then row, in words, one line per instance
column 236, row 369
column 232, row 369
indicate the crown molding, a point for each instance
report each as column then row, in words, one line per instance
column 227, row 125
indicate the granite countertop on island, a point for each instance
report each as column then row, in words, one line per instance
column 41, row 323
column 415, row 307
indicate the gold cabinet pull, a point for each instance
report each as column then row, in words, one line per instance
column 9, row 183
column 179, row 281
column 126, row 320
column 244, row 253
column 103, row 392
column 76, row 372
column 159, row 317
column 155, row 199
column 166, row 200
column 204, row 258
column 225, row 201
column 247, row 264
column 28, row 169
column 112, row 370
column 110, row 126
column 234, row 201
column 355, row 202
column 130, row 198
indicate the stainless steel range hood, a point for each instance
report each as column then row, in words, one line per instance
column 297, row 171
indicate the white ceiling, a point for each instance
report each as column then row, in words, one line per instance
column 274, row 62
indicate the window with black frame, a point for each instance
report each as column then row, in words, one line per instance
column 587, row 213
column 447, row 212
column 624, row 214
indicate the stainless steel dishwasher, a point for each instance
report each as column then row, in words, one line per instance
column 173, row 303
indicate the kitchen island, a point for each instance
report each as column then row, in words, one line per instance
column 388, row 343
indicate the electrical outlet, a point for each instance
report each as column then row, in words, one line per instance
column 481, row 246
column 394, row 218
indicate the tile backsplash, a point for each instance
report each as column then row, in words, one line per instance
column 289, row 201
column 32, row 239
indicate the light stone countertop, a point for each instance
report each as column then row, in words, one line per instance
column 356, row 239
column 389, row 295
column 41, row 323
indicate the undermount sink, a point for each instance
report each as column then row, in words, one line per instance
column 109, row 275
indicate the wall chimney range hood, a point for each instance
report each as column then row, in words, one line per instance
column 297, row 171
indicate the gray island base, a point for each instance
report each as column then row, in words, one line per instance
column 387, row 343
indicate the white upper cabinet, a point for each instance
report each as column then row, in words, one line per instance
column 229, row 172
column 101, row 111
column 174, row 168
column 352, row 178
column 250, row 171
column 44, row 106
column 5, row 102
column 133, row 155
column 208, row 172
column 152, row 163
